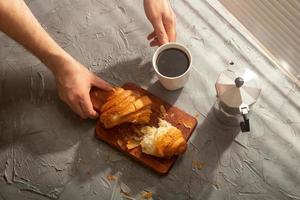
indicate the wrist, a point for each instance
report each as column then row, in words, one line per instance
column 58, row 62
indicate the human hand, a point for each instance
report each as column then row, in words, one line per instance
column 162, row 18
column 74, row 83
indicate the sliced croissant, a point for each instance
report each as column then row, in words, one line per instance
column 125, row 106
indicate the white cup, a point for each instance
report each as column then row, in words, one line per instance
column 172, row 83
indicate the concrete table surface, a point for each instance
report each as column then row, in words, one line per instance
column 46, row 152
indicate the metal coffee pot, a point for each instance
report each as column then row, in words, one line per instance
column 237, row 90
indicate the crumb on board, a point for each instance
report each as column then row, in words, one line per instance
column 197, row 115
column 163, row 111
column 120, row 142
column 137, row 138
column 197, row 165
column 131, row 144
column 187, row 125
column 111, row 177
column 137, row 131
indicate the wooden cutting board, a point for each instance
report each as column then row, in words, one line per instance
column 118, row 136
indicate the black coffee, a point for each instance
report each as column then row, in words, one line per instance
column 172, row 62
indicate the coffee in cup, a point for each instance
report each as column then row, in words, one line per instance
column 172, row 64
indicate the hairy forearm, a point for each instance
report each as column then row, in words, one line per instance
column 17, row 21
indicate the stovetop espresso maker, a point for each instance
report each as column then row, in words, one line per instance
column 237, row 90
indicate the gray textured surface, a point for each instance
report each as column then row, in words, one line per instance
column 48, row 152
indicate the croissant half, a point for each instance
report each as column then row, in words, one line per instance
column 164, row 141
column 125, row 106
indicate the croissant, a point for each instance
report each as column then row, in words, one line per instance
column 125, row 106
column 99, row 97
column 164, row 141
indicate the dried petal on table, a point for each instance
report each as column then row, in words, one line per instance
column 111, row 177
column 197, row 165
column 146, row 195
column 107, row 158
column 81, row 161
column 163, row 112
column 197, row 115
column 215, row 186
column 125, row 189
column 131, row 144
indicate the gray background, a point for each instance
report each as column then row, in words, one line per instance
column 46, row 152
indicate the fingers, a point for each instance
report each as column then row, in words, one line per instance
column 99, row 83
column 164, row 31
column 83, row 107
column 160, row 32
column 87, row 107
column 76, row 108
column 170, row 26
column 151, row 35
column 154, row 42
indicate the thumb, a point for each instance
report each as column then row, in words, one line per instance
column 160, row 32
column 101, row 84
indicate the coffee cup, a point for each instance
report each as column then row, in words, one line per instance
column 172, row 63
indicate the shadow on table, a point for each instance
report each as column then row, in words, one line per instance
column 141, row 74
column 39, row 125
column 169, row 96
column 129, row 71
column 211, row 140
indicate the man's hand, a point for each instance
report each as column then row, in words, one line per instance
column 162, row 18
column 73, row 80
column 74, row 83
